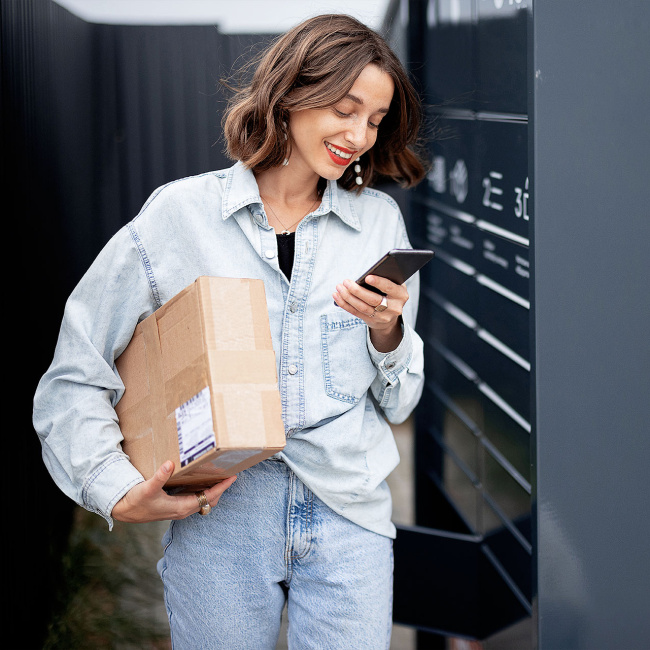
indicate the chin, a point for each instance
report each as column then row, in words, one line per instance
column 331, row 174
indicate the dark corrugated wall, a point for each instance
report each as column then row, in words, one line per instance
column 47, row 179
column 94, row 118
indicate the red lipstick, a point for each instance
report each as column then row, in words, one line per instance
column 338, row 159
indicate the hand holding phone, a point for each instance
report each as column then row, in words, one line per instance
column 383, row 316
column 398, row 265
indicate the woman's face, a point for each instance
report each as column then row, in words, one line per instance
column 325, row 141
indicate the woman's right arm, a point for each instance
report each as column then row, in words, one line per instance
column 73, row 406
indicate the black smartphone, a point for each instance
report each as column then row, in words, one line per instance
column 398, row 265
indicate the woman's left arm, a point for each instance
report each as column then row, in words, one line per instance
column 393, row 345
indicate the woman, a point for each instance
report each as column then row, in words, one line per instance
column 329, row 110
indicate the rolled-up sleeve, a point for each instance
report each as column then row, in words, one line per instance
column 400, row 373
column 74, row 413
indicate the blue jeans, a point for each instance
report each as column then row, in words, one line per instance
column 270, row 540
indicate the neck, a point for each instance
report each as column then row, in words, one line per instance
column 288, row 196
column 288, row 186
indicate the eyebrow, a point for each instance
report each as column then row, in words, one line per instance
column 357, row 100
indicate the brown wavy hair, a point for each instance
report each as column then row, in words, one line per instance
column 314, row 65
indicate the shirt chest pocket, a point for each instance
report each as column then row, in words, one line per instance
column 347, row 368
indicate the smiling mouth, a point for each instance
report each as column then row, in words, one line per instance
column 339, row 155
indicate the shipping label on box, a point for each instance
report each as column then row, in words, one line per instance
column 201, row 384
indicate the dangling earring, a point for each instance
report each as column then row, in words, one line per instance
column 357, row 169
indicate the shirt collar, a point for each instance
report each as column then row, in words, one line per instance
column 242, row 191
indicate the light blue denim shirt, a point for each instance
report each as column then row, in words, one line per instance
column 335, row 386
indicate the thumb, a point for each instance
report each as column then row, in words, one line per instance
column 162, row 474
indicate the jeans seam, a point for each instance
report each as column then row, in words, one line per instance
column 162, row 576
column 308, row 522
column 289, row 535
column 390, row 600
column 310, row 514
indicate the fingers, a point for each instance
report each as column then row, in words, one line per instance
column 189, row 504
column 386, row 286
column 362, row 302
column 214, row 493
column 212, row 496
column 393, row 291
column 355, row 305
column 351, row 303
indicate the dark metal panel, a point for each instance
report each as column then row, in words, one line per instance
column 509, row 379
column 454, row 168
column 452, row 584
column 591, row 309
column 450, row 74
column 473, row 423
column 505, row 317
column 501, row 55
column 508, row 498
column 501, row 154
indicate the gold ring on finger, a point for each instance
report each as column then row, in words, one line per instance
column 204, row 506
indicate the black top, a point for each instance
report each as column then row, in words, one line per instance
column 286, row 250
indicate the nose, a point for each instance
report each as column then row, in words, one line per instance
column 357, row 135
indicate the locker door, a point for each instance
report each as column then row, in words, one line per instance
column 465, row 569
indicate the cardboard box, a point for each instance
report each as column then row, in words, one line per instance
column 201, row 385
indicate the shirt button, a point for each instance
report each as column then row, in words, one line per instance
column 293, row 369
column 390, row 365
column 293, row 307
column 269, row 253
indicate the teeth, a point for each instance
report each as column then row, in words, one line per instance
column 338, row 152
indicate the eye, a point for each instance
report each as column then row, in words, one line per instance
column 341, row 113
column 374, row 126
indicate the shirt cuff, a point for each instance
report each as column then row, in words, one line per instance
column 108, row 484
column 392, row 364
